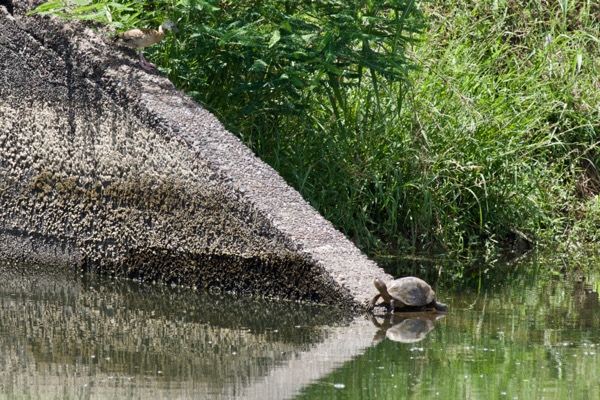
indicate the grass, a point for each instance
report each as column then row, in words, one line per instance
column 507, row 103
column 475, row 132
column 495, row 141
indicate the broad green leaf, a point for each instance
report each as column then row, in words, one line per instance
column 275, row 37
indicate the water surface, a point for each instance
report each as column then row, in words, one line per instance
column 515, row 332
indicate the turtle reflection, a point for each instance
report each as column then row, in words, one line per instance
column 405, row 328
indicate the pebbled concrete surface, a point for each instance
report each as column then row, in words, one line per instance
column 107, row 167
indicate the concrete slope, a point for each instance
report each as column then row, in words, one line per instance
column 107, row 167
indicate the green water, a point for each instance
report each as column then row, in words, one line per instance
column 514, row 333
column 521, row 338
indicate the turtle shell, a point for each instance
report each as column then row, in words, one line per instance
column 411, row 291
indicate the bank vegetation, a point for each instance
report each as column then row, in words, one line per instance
column 443, row 127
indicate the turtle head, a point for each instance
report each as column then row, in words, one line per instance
column 382, row 289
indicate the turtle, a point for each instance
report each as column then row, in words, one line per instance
column 407, row 294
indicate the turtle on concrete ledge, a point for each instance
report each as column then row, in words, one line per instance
column 406, row 294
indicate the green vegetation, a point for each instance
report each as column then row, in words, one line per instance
column 457, row 126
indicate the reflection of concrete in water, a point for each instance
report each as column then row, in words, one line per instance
column 405, row 327
column 341, row 345
column 62, row 336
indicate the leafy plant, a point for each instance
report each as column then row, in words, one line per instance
column 119, row 15
column 260, row 62
column 476, row 132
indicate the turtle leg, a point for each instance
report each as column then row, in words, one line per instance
column 372, row 302
column 439, row 306
column 392, row 306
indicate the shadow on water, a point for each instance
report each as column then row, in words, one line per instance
column 67, row 336
column 523, row 330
